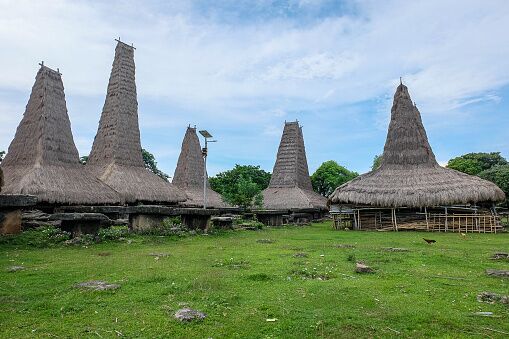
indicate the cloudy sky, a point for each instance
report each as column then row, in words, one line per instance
column 241, row 68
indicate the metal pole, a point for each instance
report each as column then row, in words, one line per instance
column 205, row 176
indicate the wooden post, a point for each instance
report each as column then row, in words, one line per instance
column 395, row 221
column 426, row 213
column 446, row 225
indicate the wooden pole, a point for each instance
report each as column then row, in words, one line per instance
column 426, row 213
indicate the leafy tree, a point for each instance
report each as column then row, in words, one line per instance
column 2, row 154
column 475, row 163
column 151, row 164
column 498, row 175
column 329, row 176
column 84, row 159
column 242, row 185
column 377, row 161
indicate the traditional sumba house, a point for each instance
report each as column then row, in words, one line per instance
column 190, row 171
column 116, row 157
column 290, row 185
column 42, row 159
column 410, row 190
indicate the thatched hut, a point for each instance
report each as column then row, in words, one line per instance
column 189, row 173
column 290, row 185
column 410, row 190
column 116, row 157
column 42, row 159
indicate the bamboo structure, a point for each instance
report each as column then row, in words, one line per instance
column 410, row 190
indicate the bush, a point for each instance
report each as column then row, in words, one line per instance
column 113, row 233
column 44, row 236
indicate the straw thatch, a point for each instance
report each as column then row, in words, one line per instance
column 409, row 175
column 290, row 185
column 189, row 173
column 116, row 157
column 42, row 160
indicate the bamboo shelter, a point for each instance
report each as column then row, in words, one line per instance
column 116, row 157
column 42, row 159
column 190, row 171
column 410, row 190
column 290, row 185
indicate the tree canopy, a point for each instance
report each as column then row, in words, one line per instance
column 242, row 185
column 475, row 163
column 377, row 161
column 329, row 176
column 151, row 164
column 499, row 175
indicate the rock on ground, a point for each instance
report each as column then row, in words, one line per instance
column 97, row 285
column 188, row 314
column 15, row 268
column 500, row 256
column 497, row 273
column 362, row 268
column 492, row 298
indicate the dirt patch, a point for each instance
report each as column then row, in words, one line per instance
column 265, row 241
column 395, row 249
column 12, row 269
column 344, row 246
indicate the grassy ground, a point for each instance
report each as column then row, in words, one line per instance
column 240, row 282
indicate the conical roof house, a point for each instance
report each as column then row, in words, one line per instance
column 290, row 185
column 409, row 175
column 42, row 159
column 116, row 156
column 189, row 173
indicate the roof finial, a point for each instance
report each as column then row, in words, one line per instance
column 42, row 64
column 400, row 81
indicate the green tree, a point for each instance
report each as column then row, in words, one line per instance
column 151, row 164
column 2, row 154
column 377, row 161
column 84, row 159
column 475, row 163
column 499, row 175
column 329, row 176
column 242, row 185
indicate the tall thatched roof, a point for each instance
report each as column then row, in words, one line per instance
column 409, row 175
column 116, row 156
column 290, row 185
column 42, row 160
column 189, row 173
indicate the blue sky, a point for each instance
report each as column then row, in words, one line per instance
column 241, row 68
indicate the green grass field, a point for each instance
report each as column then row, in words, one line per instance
column 240, row 283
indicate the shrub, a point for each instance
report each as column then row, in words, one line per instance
column 43, row 236
column 112, row 233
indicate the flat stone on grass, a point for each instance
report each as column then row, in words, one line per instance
column 97, row 285
column 188, row 314
column 12, row 269
column 492, row 298
column 300, row 255
column 344, row 246
column 265, row 241
column 497, row 273
column 500, row 256
column 363, row 268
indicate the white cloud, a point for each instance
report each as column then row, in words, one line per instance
column 246, row 77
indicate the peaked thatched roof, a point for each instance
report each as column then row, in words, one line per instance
column 42, row 160
column 409, row 175
column 290, row 185
column 116, row 156
column 189, row 173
